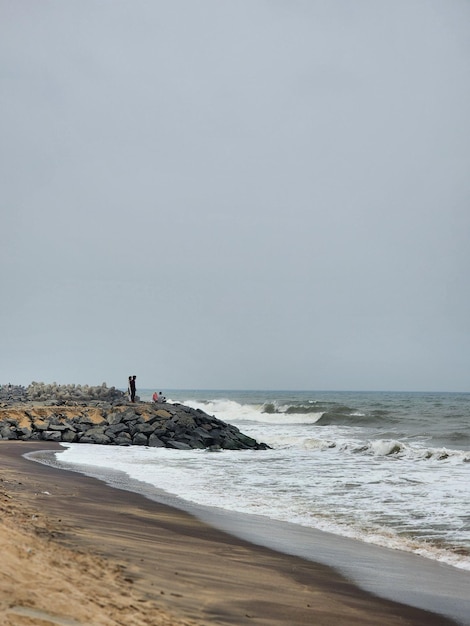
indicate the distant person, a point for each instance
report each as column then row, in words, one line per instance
column 132, row 387
column 161, row 397
column 155, row 396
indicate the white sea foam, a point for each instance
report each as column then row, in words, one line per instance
column 291, row 485
column 233, row 412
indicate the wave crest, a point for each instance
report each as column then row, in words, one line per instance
column 399, row 449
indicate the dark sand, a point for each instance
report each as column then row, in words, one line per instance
column 77, row 552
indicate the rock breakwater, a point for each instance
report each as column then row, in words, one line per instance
column 117, row 422
column 58, row 394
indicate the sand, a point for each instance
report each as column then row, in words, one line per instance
column 76, row 552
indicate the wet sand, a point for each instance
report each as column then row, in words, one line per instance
column 77, row 552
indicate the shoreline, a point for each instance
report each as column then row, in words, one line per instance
column 391, row 574
column 173, row 566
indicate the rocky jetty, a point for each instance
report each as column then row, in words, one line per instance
column 102, row 415
column 54, row 394
column 12, row 394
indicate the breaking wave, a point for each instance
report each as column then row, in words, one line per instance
column 401, row 450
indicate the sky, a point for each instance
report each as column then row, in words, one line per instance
column 236, row 194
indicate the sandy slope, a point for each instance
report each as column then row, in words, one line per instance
column 43, row 582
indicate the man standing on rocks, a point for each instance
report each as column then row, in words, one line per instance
column 132, row 387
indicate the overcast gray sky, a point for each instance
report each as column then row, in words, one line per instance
column 268, row 194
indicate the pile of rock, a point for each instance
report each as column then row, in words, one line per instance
column 142, row 424
column 12, row 394
column 98, row 414
column 54, row 394
column 65, row 394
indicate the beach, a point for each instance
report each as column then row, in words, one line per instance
column 77, row 552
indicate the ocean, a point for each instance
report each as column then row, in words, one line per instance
column 383, row 469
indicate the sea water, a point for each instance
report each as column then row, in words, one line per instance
column 385, row 469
